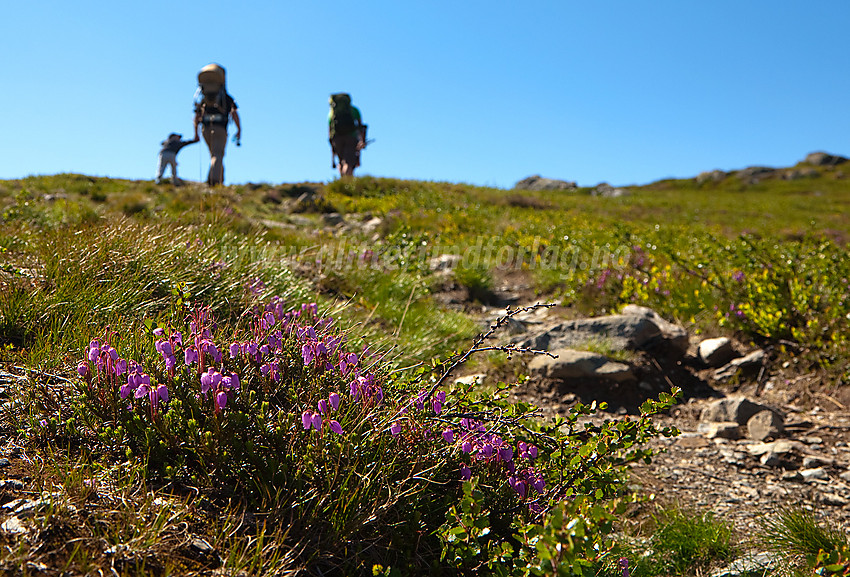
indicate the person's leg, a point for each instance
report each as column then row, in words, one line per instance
column 216, row 139
column 160, row 167
column 174, row 170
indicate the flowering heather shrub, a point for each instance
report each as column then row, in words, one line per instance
column 283, row 412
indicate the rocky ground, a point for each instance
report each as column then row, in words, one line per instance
column 756, row 433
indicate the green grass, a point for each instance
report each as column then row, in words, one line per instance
column 84, row 257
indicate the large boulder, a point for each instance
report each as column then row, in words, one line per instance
column 734, row 408
column 824, row 159
column 636, row 328
column 537, row 182
column 573, row 364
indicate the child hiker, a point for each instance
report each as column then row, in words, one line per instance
column 168, row 156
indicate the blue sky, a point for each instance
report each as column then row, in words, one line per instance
column 464, row 91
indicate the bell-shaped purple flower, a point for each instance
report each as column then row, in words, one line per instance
column 323, row 407
column 335, row 427
column 333, row 398
column 449, row 435
column 307, row 420
column 465, row 473
column 190, row 356
column 317, row 421
column 220, row 400
column 395, row 429
column 234, row 350
column 506, row 453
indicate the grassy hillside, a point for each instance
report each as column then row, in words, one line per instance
column 350, row 268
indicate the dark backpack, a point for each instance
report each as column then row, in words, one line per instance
column 342, row 117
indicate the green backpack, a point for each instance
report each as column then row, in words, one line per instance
column 342, row 117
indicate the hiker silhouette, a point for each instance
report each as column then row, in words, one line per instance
column 346, row 133
column 214, row 108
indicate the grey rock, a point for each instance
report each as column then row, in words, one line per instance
column 716, row 352
column 332, row 219
column 735, row 408
column 606, row 190
column 754, row 174
column 573, row 364
column 720, row 430
column 637, row 328
column 815, row 461
column 780, row 447
column 765, row 424
column 710, row 176
column 675, row 335
column 746, row 364
column 800, row 173
column 755, row 564
column 13, row 526
column 824, row 159
column 816, row 474
column 845, row 476
column 771, row 459
column 474, row 379
column 537, row 182
column 12, row 484
column 444, row 262
column 4, row 462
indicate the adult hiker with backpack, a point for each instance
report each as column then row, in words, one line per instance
column 214, row 108
column 346, row 133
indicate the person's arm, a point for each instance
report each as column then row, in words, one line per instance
column 234, row 114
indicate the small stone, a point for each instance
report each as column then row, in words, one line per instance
column 845, row 476
column 716, row 352
column 721, row 430
column 835, row 499
column 4, row 462
column 813, row 461
column 13, row 526
column 817, row 474
column 771, row 459
column 765, row 424
column 12, row 484
column 474, row 379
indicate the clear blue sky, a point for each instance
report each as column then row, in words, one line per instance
column 464, row 90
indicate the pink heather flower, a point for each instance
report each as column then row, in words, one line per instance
column 210, row 380
column 162, row 392
column 539, row 484
column 395, row 429
column 323, row 407
column 234, row 380
column 517, row 485
column 158, row 332
column 220, row 400
column 334, row 400
column 83, row 369
column 465, row 473
column 335, row 427
column 449, row 435
column 532, row 451
column 234, row 350
column 317, row 421
column 190, row 356
column 486, row 450
column 624, row 565
column 506, row 453
column 265, row 369
column 466, row 447
column 307, row 419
